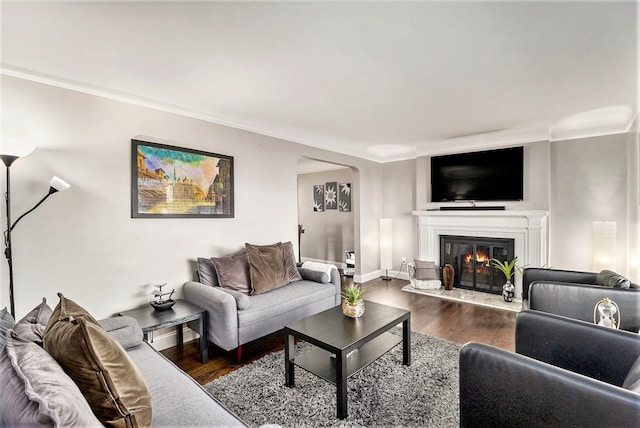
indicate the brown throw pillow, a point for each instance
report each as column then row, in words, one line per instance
column 290, row 260
column 425, row 270
column 106, row 376
column 233, row 272
column 267, row 267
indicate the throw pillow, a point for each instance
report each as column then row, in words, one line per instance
column 32, row 326
column 290, row 260
column 108, row 379
column 242, row 300
column 609, row 278
column 207, row 272
column 425, row 270
column 267, row 267
column 6, row 323
column 123, row 329
column 36, row 391
column 233, row 272
column 632, row 381
column 314, row 275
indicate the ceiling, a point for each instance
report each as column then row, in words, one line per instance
column 382, row 81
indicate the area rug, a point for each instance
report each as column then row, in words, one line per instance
column 383, row 394
column 469, row 296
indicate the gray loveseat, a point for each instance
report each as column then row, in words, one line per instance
column 236, row 319
column 35, row 390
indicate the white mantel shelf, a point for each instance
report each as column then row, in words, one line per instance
column 528, row 229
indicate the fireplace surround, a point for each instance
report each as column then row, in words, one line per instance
column 527, row 228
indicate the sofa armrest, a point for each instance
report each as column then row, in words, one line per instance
column 531, row 275
column 500, row 388
column 578, row 300
column 597, row 352
column 222, row 313
column 337, row 283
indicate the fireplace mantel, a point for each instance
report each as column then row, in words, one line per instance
column 529, row 230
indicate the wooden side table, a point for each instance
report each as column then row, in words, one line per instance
column 182, row 312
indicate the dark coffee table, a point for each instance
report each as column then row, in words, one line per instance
column 334, row 333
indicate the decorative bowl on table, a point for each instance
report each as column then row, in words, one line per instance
column 162, row 305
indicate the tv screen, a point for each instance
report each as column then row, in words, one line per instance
column 492, row 175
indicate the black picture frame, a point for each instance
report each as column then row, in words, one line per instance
column 177, row 182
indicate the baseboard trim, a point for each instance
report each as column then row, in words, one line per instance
column 168, row 338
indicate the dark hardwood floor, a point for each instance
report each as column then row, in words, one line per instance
column 457, row 322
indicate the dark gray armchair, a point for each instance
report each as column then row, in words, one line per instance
column 574, row 294
column 564, row 373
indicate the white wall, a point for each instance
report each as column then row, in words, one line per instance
column 84, row 243
column 329, row 233
column 590, row 183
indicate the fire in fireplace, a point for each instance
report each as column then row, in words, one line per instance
column 471, row 257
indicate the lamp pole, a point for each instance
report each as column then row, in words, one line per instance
column 8, row 160
column 56, row 185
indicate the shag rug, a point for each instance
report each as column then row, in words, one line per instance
column 383, row 394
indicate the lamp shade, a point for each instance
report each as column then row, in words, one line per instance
column 59, row 184
column 604, row 245
column 386, row 250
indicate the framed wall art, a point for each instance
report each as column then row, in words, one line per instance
column 344, row 197
column 318, row 197
column 174, row 182
column 331, row 196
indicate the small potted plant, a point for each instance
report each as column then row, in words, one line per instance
column 352, row 303
column 508, row 268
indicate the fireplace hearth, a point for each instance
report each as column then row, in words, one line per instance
column 471, row 257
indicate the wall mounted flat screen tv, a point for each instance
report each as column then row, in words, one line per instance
column 492, row 175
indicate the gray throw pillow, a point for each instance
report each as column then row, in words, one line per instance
column 314, row 275
column 32, row 325
column 609, row 278
column 425, row 270
column 123, row 329
column 6, row 323
column 632, row 381
column 290, row 260
column 207, row 272
column 242, row 300
column 36, row 391
column 233, row 272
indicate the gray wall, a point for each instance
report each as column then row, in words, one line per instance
column 84, row 243
column 328, row 234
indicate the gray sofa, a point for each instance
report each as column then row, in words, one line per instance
column 35, row 389
column 236, row 319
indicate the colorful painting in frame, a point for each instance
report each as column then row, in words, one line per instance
column 174, row 182
column 331, row 196
column 344, row 197
column 318, row 198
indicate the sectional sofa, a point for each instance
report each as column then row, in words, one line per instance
column 37, row 391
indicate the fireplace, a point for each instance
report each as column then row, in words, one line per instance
column 471, row 257
column 528, row 229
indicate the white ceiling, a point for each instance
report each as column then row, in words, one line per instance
column 382, row 81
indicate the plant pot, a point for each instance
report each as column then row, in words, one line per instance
column 508, row 291
column 353, row 310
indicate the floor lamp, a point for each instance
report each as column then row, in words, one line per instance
column 386, row 252
column 56, row 185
